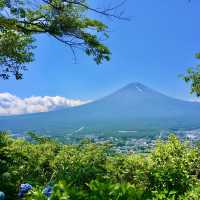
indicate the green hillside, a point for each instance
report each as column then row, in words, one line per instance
column 91, row 171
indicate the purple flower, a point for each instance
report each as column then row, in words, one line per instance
column 47, row 191
column 24, row 188
column 20, row 194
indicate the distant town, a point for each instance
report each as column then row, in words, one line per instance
column 123, row 143
column 127, row 143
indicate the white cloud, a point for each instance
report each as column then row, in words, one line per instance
column 13, row 105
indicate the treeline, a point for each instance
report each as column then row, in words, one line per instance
column 91, row 171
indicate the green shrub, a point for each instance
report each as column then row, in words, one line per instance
column 93, row 172
column 171, row 166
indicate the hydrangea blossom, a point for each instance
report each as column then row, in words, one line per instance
column 24, row 188
column 47, row 191
column 2, row 195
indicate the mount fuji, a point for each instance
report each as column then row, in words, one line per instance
column 133, row 107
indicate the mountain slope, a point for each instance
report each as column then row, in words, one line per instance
column 133, row 107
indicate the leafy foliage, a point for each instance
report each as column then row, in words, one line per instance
column 193, row 76
column 173, row 167
column 15, row 52
column 65, row 20
column 93, row 171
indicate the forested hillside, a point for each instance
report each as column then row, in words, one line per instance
column 96, row 172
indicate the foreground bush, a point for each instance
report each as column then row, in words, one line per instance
column 94, row 172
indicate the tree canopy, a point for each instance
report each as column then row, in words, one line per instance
column 65, row 20
column 193, row 76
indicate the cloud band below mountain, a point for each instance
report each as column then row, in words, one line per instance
column 13, row 105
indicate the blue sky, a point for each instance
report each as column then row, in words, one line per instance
column 153, row 48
